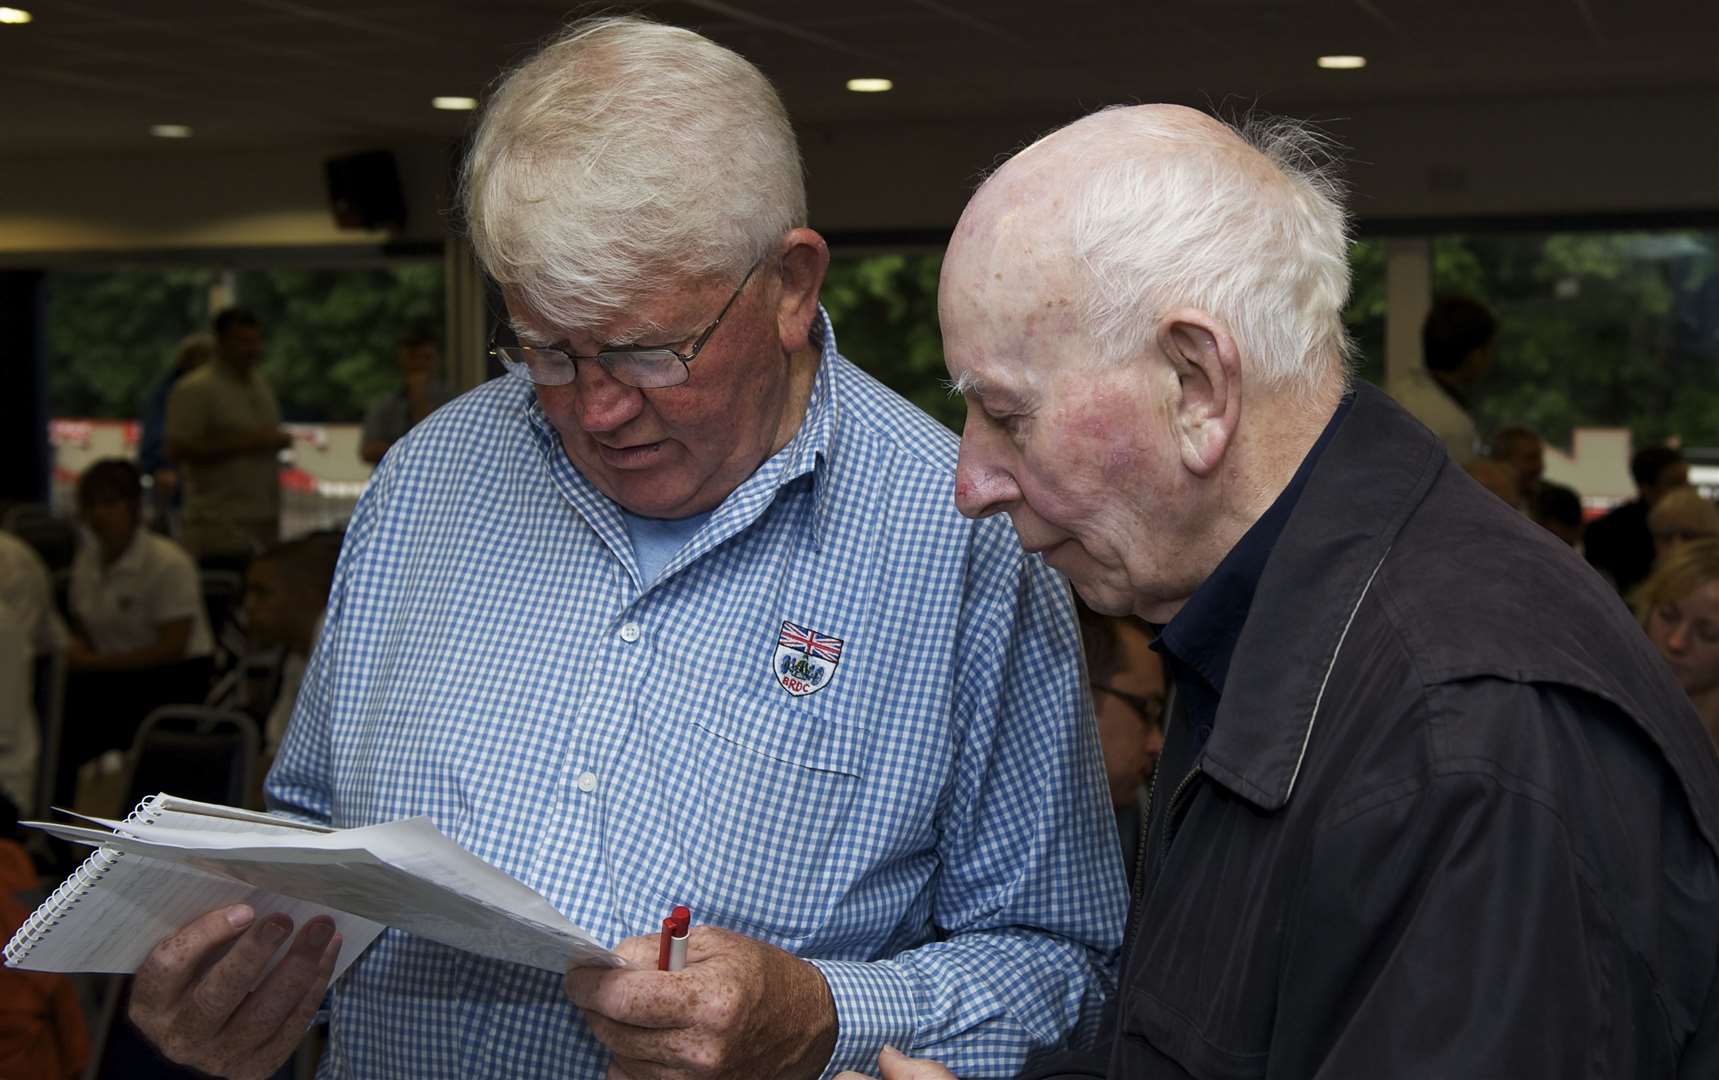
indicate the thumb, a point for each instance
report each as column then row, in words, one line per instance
column 895, row 1065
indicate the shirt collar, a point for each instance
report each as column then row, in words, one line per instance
column 129, row 560
column 1203, row 635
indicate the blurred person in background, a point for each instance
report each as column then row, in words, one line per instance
column 224, row 434
column 286, row 593
column 420, row 393
column 1558, row 509
column 1620, row 545
column 1678, row 606
column 193, row 351
column 1457, row 347
column 134, row 596
column 1681, row 517
column 29, row 630
column 1525, row 453
column 139, row 636
column 1128, row 695
column 1498, row 478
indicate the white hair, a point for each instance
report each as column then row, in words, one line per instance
column 1182, row 218
column 622, row 153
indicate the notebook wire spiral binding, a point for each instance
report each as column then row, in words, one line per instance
column 71, row 890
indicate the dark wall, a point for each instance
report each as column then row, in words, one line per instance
column 24, row 458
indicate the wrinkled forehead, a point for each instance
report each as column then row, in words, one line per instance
column 1009, row 297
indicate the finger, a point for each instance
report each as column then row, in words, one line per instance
column 300, row 971
column 851, row 1075
column 168, row 971
column 640, row 1046
column 895, row 1065
column 640, row 952
column 630, row 1069
column 651, row 999
column 290, row 1031
column 210, row 1000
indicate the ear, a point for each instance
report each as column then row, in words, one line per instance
column 1206, row 407
column 805, row 258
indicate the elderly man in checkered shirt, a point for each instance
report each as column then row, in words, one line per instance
column 682, row 613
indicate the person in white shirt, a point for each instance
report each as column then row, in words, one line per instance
column 29, row 628
column 140, row 634
column 1456, row 344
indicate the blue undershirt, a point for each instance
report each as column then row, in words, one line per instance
column 657, row 540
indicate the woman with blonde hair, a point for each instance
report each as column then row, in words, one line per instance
column 1678, row 606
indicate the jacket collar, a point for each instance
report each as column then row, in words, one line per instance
column 1371, row 477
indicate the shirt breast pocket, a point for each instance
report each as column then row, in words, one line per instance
column 771, row 790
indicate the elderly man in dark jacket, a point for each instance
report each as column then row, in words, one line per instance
column 1431, row 806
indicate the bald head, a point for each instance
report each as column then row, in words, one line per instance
column 1130, row 212
column 1110, row 300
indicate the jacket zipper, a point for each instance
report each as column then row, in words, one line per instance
column 1137, row 898
column 1137, row 891
column 1137, row 902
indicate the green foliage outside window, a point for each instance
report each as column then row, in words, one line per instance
column 110, row 336
column 329, row 334
column 1597, row 329
column 884, row 309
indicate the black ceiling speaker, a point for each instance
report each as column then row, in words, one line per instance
column 364, row 190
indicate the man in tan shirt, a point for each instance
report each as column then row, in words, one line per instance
column 223, row 430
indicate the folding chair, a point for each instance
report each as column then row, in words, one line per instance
column 50, row 699
column 195, row 752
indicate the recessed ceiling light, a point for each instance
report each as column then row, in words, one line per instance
column 12, row 16
column 170, row 131
column 454, row 104
column 1342, row 63
column 869, row 86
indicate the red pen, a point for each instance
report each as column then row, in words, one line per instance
column 671, row 956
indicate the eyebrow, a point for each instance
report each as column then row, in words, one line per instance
column 968, row 382
column 630, row 336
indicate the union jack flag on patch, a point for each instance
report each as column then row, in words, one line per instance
column 805, row 659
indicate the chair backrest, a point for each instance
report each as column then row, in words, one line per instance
column 223, row 590
column 49, row 691
column 195, row 752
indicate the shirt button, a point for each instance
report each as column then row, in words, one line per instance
column 630, row 632
column 587, row 782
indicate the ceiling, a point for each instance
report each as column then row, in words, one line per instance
column 91, row 76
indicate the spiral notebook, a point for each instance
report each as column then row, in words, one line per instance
column 173, row 860
column 116, row 907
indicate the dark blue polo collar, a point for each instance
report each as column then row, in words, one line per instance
column 1201, row 639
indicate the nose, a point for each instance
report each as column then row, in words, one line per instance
column 1677, row 641
column 983, row 485
column 603, row 403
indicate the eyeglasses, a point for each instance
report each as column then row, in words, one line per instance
column 648, row 368
column 1151, row 709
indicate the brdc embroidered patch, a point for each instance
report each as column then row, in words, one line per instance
column 805, row 660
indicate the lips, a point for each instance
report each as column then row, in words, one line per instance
column 629, row 457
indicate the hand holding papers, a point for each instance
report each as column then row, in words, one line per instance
column 403, row 874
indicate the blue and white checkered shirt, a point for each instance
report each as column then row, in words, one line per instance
column 929, row 823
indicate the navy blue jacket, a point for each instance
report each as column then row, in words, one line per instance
column 1454, row 817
